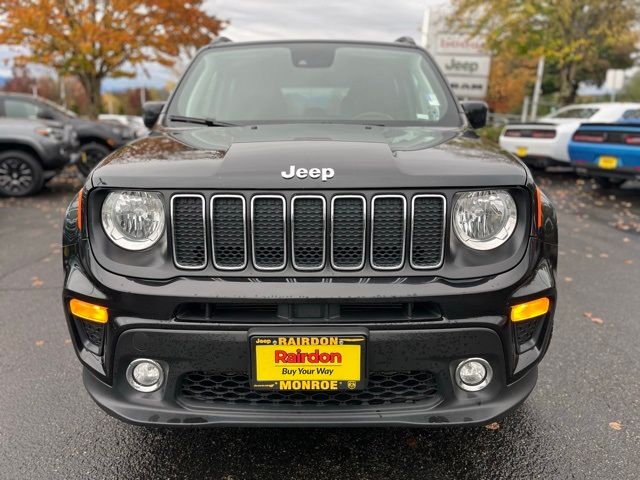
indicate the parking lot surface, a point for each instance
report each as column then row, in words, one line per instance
column 582, row 420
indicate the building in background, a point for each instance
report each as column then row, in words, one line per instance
column 464, row 60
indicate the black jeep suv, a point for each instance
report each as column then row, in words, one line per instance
column 312, row 234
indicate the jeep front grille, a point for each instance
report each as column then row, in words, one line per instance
column 348, row 227
column 308, row 232
column 228, row 231
column 188, row 227
column 269, row 232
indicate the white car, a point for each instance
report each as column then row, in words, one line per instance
column 545, row 142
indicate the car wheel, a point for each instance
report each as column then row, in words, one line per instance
column 93, row 153
column 20, row 174
column 606, row 183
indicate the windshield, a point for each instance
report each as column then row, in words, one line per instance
column 581, row 113
column 315, row 82
column 59, row 108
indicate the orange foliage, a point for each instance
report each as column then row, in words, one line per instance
column 509, row 83
column 94, row 39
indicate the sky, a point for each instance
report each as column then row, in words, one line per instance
column 383, row 20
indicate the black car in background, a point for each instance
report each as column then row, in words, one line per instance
column 96, row 140
column 32, row 152
column 313, row 234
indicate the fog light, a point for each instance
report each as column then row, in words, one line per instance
column 473, row 374
column 145, row 375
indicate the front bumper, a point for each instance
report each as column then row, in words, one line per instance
column 424, row 350
column 472, row 322
column 56, row 155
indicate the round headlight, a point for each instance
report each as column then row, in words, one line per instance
column 133, row 220
column 484, row 219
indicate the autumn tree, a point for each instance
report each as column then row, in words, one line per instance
column 96, row 39
column 509, row 82
column 20, row 81
column 581, row 39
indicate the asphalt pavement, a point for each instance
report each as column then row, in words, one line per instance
column 581, row 421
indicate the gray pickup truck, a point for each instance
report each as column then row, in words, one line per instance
column 32, row 152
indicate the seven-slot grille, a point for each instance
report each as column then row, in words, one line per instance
column 309, row 232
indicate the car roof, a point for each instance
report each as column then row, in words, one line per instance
column 398, row 43
column 601, row 105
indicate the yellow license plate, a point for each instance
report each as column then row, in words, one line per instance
column 287, row 362
column 608, row 162
column 522, row 151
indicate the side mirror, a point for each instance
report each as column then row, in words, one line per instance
column 476, row 113
column 45, row 114
column 151, row 112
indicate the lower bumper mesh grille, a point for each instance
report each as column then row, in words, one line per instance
column 384, row 388
column 94, row 333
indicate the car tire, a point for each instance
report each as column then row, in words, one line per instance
column 607, row 183
column 94, row 153
column 21, row 174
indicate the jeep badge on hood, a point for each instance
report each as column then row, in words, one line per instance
column 323, row 173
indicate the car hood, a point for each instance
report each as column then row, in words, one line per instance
column 253, row 157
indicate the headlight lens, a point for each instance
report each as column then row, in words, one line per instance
column 133, row 220
column 484, row 219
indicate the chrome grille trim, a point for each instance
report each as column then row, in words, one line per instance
column 244, row 222
column 364, row 232
column 442, row 237
column 347, row 233
column 404, row 232
column 324, row 232
column 284, row 229
column 204, row 227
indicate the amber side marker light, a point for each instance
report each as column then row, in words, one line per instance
column 88, row 311
column 527, row 310
column 79, row 213
column 538, row 207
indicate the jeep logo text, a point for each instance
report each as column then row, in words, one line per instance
column 322, row 173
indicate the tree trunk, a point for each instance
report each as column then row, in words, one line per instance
column 92, row 85
column 568, row 83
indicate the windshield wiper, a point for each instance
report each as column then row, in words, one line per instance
column 209, row 122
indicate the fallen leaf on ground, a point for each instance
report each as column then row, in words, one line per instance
column 588, row 314
column 67, row 341
column 492, row 426
column 36, row 282
column 597, row 320
column 568, row 279
column 626, row 239
column 412, row 442
column 39, row 343
column 628, row 261
column 615, row 425
column 604, row 255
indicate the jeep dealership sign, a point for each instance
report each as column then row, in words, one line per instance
column 463, row 59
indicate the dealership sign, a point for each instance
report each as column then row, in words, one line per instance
column 463, row 59
column 476, row 65
column 459, row 44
